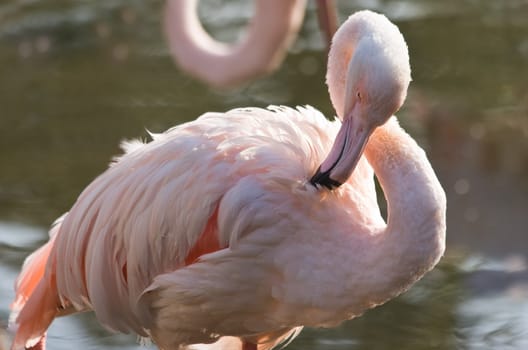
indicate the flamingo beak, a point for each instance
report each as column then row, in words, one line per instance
column 344, row 155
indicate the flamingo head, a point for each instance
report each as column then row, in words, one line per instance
column 376, row 80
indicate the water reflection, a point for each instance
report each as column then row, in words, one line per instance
column 77, row 77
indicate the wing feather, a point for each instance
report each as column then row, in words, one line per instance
column 141, row 218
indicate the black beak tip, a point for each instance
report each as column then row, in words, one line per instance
column 322, row 179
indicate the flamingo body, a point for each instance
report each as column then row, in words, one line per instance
column 127, row 240
column 214, row 233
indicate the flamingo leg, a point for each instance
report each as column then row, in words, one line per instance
column 327, row 15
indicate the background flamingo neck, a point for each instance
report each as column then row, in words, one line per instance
column 414, row 239
column 260, row 51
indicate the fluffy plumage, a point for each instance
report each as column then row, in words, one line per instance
column 213, row 233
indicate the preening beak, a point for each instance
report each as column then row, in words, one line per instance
column 344, row 156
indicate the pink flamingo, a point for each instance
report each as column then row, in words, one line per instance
column 224, row 233
column 271, row 31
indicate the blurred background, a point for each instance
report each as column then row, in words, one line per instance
column 78, row 76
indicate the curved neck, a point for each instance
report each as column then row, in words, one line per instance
column 341, row 51
column 270, row 32
column 414, row 239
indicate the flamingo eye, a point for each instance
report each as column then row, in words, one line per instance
column 359, row 96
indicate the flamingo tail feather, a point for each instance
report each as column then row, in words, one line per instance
column 37, row 300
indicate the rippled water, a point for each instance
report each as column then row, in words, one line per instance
column 76, row 77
